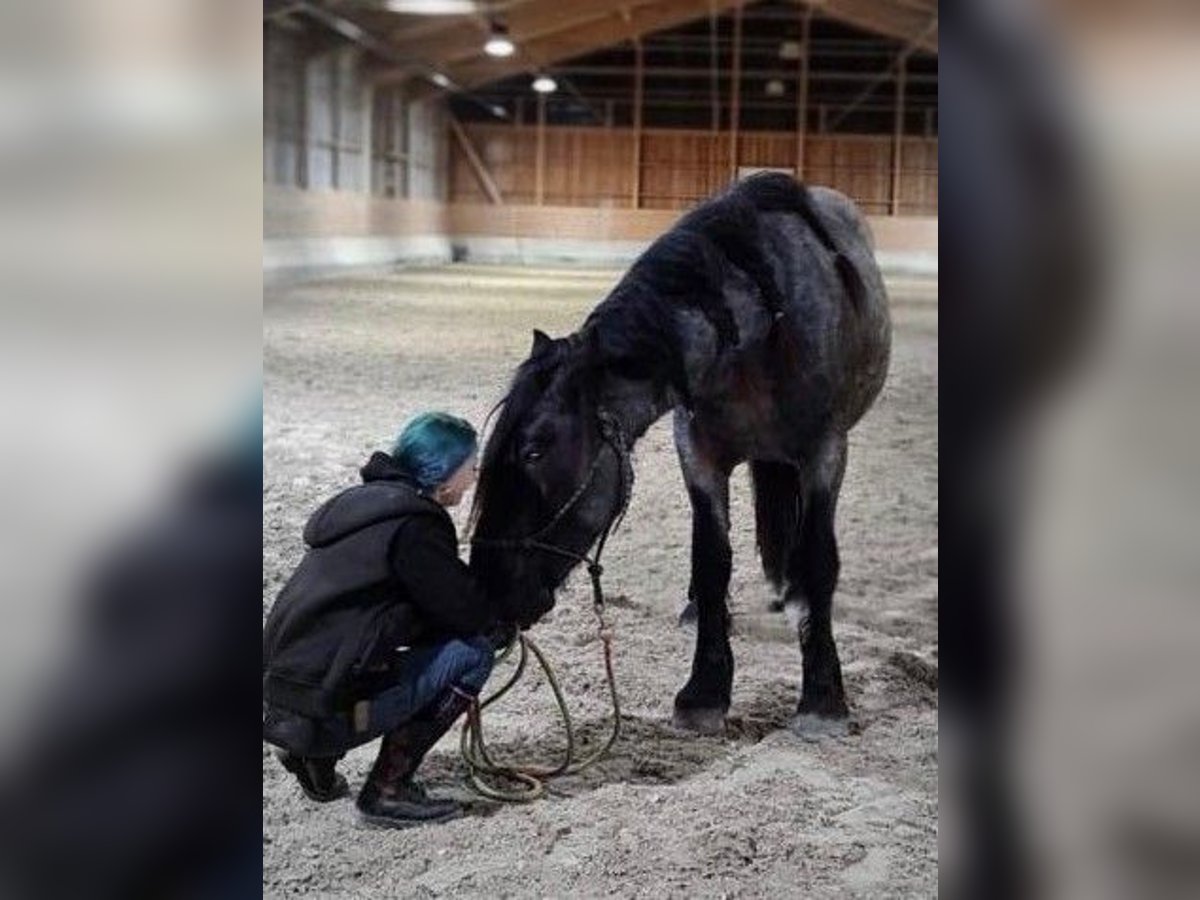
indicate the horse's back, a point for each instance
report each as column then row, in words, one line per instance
column 873, row 328
column 766, row 254
column 825, row 258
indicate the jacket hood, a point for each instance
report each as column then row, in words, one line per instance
column 386, row 494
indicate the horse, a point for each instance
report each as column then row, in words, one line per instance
column 760, row 321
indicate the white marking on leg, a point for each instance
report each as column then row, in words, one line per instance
column 796, row 610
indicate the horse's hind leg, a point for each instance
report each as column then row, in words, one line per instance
column 703, row 702
column 812, row 577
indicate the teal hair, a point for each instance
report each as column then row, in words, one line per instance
column 432, row 446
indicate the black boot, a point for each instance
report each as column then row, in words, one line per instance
column 390, row 797
column 317, row 776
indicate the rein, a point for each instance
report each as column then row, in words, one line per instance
column 474, row 750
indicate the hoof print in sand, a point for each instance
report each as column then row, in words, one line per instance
column 811, row 726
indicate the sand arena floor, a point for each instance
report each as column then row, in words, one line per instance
column 758, row 812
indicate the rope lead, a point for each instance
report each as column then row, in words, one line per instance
column 474, row 750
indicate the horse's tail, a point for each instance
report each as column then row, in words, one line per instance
column 777, row 510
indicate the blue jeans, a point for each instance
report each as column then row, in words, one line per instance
column 418, row 676
column 425, row 673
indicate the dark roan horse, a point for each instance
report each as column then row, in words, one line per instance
column 760, row 320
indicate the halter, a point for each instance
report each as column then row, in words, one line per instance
column 614, row 438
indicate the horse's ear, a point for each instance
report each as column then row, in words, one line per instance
column 541, row 341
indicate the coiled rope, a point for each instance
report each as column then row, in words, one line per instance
column 481, row 767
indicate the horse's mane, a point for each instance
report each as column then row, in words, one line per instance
column 528, row 384
column 634, row 331
column 687, row 267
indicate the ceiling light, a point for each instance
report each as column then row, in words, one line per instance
column 498, row 43
column 499, row 112
column 431, row 7
column 544, row 84
column 774, row 88
column 789, row 50
column 440, row 80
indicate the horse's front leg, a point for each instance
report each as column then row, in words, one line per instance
column 703, row 702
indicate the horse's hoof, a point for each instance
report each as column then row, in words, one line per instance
column 688, row 616
column 812, row 726
column 701, row 721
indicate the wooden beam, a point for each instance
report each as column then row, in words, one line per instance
column 887, row 17
column 580, row 40
column 802, row 91
column 638, row 78
column 899, row 62
column 477, row 167
column 786, row 108
column 898, row 138
column 539, row 174
column 680, row 73
column 526, row 22
column 735, row 110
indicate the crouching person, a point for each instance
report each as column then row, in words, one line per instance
column 381, row 630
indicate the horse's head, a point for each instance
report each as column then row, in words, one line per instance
column 553, row 475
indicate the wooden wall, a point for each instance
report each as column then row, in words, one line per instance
column 594, row 166
column 290, row 213
column 893, row 234
column 296, row 213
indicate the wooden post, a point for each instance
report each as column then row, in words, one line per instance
column 404, row 124
column 335, row 116
column 477, row 166
column 735, row 91
column 802, row 93
column 714, row 65
column 820, row 118
column 929, row 122
column 639, row 73
column 367, row 98
column 540, row 170
column 898, row 137
column 608, row 113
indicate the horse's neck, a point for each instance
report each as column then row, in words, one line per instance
column 636, row 404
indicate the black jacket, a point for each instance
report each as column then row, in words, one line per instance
column 381, row 571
